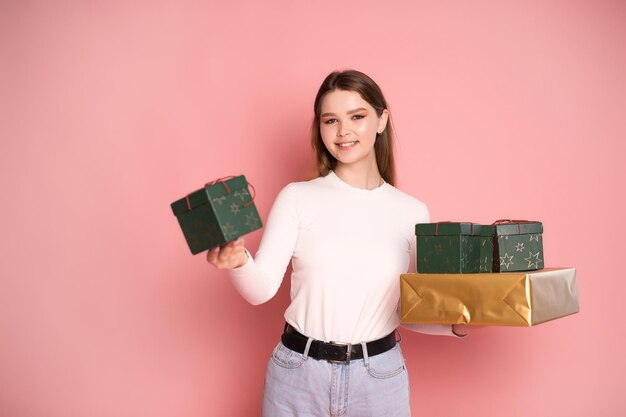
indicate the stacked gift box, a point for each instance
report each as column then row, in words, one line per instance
column 485, row 275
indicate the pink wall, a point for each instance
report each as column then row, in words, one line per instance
column 111, row 110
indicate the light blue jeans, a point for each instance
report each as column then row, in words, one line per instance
column 296, row 385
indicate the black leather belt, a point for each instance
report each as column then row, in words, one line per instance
column 335, row 352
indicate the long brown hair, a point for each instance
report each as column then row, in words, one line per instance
column 352, row 80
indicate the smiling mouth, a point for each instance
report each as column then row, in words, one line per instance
column 347, row 144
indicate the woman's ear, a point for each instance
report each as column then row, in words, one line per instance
column 382, row 120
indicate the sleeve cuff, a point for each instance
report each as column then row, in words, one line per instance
column 248, row 261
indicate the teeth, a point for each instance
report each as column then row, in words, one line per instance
column 345, row 145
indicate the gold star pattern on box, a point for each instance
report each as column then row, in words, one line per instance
column 485, row 266
column 219, row 200
column 229, row 231
column 506, row 260
column 533, row 260
column 463, row 262
column 241, row 194
column 252, row 221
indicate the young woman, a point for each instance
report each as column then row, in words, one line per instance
column 349, row 234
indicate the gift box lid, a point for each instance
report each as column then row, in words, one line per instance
column 511, row 227
column 215, row 189
column 447, row 229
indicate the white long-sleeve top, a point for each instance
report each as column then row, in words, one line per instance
column 348, row 247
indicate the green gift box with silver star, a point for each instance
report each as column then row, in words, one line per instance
column 511, row 245
column 448, row 247
column 220, row 212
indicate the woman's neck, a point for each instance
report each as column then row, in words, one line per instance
column 364, row 177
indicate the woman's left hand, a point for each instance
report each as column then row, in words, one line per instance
column 464, row 330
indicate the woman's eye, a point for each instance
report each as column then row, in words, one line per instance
column 358, row 116
column 330, row 121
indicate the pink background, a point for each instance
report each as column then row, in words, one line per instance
column 109, row 111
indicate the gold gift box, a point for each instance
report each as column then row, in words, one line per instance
column 502, row 299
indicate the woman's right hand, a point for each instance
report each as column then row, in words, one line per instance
column 232, row 255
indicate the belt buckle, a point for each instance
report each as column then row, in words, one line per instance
column 348, row 347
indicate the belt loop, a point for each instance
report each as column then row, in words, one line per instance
column 305, row 354
column 366, row 358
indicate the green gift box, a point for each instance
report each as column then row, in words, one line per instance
column 511, row 245
column 448, row 247
column 220, row 212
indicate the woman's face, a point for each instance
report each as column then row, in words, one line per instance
column 348, row 126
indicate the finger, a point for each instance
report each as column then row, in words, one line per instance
column 243, row 257
column 237, row 257
column 234, row 243
column 225, row 253
column 211, row 255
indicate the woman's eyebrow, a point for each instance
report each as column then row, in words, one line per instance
column 348, row 112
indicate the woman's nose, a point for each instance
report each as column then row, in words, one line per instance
column 342, row 130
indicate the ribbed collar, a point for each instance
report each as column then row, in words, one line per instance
column 332, row 177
